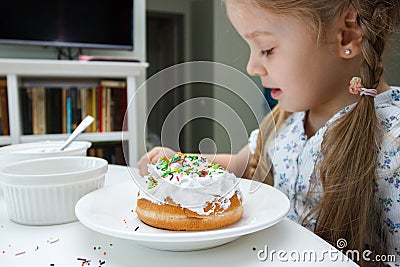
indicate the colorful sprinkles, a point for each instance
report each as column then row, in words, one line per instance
column 87, row 262
column 99, row 256
column 182, row 165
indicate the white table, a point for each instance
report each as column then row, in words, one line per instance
column 73, row 244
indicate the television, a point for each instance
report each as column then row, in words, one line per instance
column 105, row 24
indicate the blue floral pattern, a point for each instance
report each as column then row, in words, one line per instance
column 294, row 157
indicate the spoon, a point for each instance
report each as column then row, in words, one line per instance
column 78, row 130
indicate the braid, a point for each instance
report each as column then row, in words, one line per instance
column 356, row 136
column 375, row 33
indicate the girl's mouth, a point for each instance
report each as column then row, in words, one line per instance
column 275, row 93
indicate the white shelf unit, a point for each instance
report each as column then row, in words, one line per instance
column 16, row 69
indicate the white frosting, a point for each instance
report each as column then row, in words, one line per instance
column 190, row 183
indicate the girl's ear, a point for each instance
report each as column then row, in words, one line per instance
column 350, row 34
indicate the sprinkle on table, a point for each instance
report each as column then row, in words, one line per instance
column 53, row 240
column 20, row 253
column 84, row 261
column 137, row 228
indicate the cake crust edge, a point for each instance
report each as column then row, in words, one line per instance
column 173, row 217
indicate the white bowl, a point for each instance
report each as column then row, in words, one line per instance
column 44, row 149
column 45, row 191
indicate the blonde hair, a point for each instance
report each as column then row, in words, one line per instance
column 347, row 168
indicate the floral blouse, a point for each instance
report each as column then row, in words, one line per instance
column 295, row 156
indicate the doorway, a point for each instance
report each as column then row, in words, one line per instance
column 165, row 48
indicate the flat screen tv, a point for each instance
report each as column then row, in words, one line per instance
column 106, row 24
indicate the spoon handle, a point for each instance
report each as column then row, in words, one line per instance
column 79, row 129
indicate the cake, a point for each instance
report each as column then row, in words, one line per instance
column 188, row 193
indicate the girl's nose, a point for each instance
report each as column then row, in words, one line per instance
column 255, row 66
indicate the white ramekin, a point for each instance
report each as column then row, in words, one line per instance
column 43, row 149
column 45, row 191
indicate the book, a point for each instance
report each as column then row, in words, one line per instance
column 87, row 106
column 109, row 108
column 26, row 114
column 75, row 107
column 113, row 83
column 83, row 96
column 104, row 110
column 118, row 97
column 64, row 92
column 99, row 108
column 53, row 111
column 116, row 104
column 69, row 111
column 39, row 110
column 94, row 110
column 5, row 128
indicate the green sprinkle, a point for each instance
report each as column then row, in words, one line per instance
column 165, row 174
column 164, row 166
column 175, row 159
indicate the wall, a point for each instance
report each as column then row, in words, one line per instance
column 176, row 6
column 230, row 49
column 392, row 62
column 210, row 36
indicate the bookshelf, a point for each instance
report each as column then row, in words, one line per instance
column 20, row 71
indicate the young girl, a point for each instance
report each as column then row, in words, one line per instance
column 336, row 151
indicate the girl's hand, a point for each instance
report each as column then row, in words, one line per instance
column 152, row 157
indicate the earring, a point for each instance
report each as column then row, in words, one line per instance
column 347, row 51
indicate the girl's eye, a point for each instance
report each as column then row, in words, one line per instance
column 267, row 52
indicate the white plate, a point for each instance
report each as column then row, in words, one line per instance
column 111, row 211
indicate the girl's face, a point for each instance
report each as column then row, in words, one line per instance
column 285, row 55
